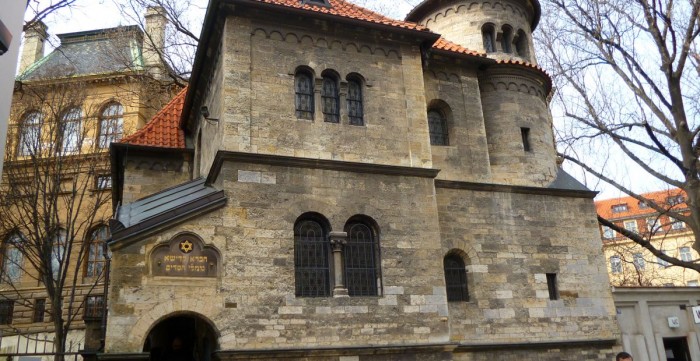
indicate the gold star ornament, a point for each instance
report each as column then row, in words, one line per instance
column 186, row 246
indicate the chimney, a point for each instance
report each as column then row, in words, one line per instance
column 33, row 50
column 154, row 40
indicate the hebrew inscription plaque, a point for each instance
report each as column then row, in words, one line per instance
column 185, row 256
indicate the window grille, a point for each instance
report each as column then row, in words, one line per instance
column 355, row 111
column 111, row 125
column 96, row 258
column 70, row 131
column 13, row 260
column 489, row 41
column 360, row 261
column 507, row 39
column 94, row 306
column 685, row 254
column 331, row 100
column 639, row 262
column 39, row 310
column 615, row 264
column 29, row 134
column 304, row 95
column 7, row 308
column 455, row 279
column 437, row 125
column 311, row 260
column 552, row 286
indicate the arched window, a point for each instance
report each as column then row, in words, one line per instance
column 521, row 45
column 355, row 111
column 360, row 258
column 331, row 99
column 58, row 249
column 507, row 39
column 111, row 124
column 455, row 279
column 311, row 258
column 304, row 95
column 13, row 259
column 437, row 124
column 29, row 134
column 70, row 130
column 96, row 256
column 487, row 33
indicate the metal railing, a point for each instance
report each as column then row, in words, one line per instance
column 36, row 345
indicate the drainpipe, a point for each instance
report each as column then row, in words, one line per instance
column 108, row 262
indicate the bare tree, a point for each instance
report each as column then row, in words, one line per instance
column 38, row 10
column 51, row 198
column 621, row 70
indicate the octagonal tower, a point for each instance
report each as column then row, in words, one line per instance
column 501, row 28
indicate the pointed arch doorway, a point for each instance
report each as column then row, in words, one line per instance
column 181, row 337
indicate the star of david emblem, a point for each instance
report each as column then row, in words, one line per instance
column 186, row 246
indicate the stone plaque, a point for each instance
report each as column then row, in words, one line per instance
column 185, row 256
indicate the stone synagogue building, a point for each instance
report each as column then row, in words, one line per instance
column 335, row 185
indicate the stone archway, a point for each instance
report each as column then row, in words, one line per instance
column 197, row 339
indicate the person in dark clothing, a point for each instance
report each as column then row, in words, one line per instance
column 623, row 356
column 177, row 351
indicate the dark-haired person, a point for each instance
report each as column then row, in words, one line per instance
column 623, row 356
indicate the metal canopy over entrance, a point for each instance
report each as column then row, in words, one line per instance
column 181, row 337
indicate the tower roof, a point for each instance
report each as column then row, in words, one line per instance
column 426, row 6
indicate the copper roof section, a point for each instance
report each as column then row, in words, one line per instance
column 163, row 130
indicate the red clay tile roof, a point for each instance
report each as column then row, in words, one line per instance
column 605, row 207
column 163, row 130
column 446, row 45
column 345, row 9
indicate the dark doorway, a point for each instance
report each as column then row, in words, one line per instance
column 181, row 338
column 677, row 349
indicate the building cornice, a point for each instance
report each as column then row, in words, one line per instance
column 506, row 188
column 326, row 164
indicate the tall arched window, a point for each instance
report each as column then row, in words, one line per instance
column 29, row 134
column 96, row 256
column 507, row 39
column 13, row 260
column 487, row 33
column 331, row 99
column 437, row 124
column 58, row 249
column 455, row 278
column 360, row 258
column 304, row 95
column 111, row 124
column 521, row 45
column 311, row 258
column 70, row 130
column 355, row 107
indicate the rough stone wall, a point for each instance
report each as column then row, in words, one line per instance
column 454, row 91
column 145, row 175
column 259, row 114
column 512, row 100
column 255, row 236
column 509, row 243
column 461, row 22
column 564, row 353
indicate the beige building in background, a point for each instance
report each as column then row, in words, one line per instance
column 68, row 106
column 631, row 265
